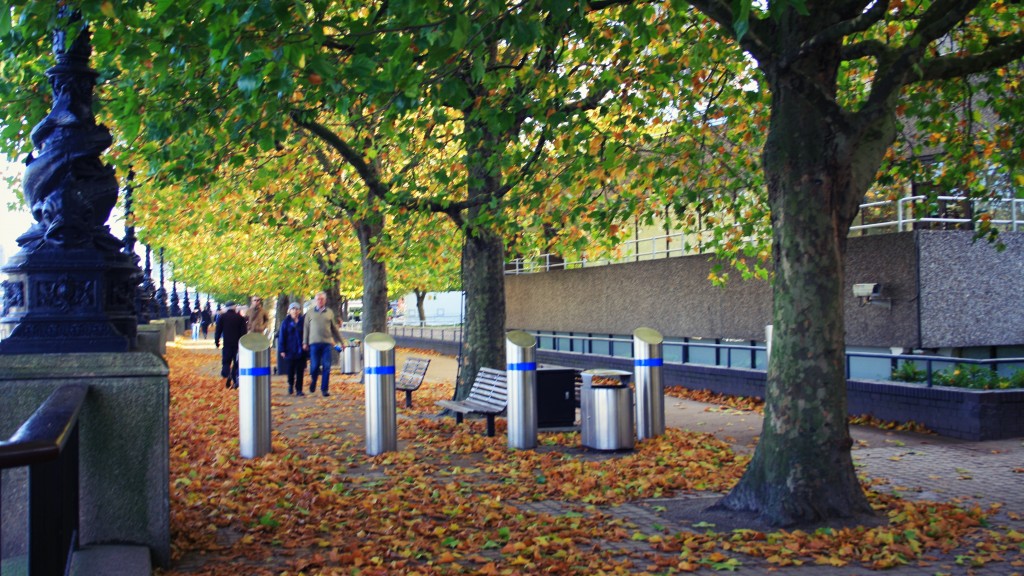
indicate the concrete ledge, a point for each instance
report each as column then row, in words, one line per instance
column 112, row 560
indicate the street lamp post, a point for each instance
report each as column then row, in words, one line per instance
column 70, row 287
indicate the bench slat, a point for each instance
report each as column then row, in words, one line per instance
column 487, row 396
column 411, row 378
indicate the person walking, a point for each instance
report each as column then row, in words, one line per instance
column 320, row 334
column 230, row 326
column 193, row 321
column 205, row 319
column 257, row 316
column 291, row 357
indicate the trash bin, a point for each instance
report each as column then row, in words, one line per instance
column 253, row 395
column 353, row 361
column 606, row 410
column 650, row 389
column 381, row 421
column 521, row 379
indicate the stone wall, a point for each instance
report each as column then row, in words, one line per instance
column 944, row 290
column 124, row 443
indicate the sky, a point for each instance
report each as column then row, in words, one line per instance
column 12, row 222
column 15, row 218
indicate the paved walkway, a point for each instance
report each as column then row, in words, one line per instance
column 917, row 466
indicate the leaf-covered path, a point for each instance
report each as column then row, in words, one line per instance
column 453, row 501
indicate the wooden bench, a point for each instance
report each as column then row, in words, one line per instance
column 488, row 396
column 411, row 377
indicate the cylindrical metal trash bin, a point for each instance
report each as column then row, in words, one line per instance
column 353, row 361
column 650, row 389
column 521, row 379
column 254, row 395
column 606, row 410
column 379, row 374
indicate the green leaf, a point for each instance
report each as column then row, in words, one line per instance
column 268, row 520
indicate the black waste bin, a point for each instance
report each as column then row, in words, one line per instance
column 556, row 396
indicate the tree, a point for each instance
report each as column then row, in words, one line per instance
column 828, row 135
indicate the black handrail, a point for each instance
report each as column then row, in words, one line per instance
column 48, row 444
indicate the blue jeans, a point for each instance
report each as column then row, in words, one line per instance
column 320, row 361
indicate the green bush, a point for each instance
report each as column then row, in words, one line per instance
column 909, row 372
column 977, row 377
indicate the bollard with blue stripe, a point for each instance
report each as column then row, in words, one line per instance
column 379, row 377
column 521, row 379
column 650, row 389
column 254, row 395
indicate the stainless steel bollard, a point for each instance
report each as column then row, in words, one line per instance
column 650, row 388
column 379, row 373
column 521, row 377
column 254, row 395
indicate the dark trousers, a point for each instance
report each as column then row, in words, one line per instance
column 295, row 368
column 229, row 364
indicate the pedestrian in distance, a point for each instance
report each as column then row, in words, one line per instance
column 320, row 334
column 205, row 319
column 257, row 316
column 230, row 327
column 291, row 357
column 193, row 321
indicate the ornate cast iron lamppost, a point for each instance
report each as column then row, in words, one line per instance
column 186, row 310
column 144, row 290
column 149, row 290
column 70, row 287
column 161, row 292
column 175, row 303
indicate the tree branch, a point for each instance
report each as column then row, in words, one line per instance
column 354, row 159
column 837, row 32
column 1003, row 51
column 756, row 40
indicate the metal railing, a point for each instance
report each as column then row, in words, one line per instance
column 47, row 443
column 897, row 216
column 442, row 333
column 1005, row 213
column 934, row 364
column 721, row 352
column 726, row 353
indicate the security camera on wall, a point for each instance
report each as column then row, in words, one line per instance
column 869, row 293
column 865, row 290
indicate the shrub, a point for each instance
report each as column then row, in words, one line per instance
column 977, row 377
column 909, row 372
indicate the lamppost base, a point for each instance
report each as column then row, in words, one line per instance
column 67, row 300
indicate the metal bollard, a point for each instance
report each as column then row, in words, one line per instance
column 379, row 373
column 521, row 377
column 650, row 389
column 254, row 395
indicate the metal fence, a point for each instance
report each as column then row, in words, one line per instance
column 946, row 212
column 727, row 353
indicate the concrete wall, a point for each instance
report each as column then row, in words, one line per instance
column 945, row 291
column 971, row 294
column 124, row 455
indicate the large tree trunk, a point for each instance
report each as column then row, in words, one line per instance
column 375, row 279
column 483, row 279
column 802, row 470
